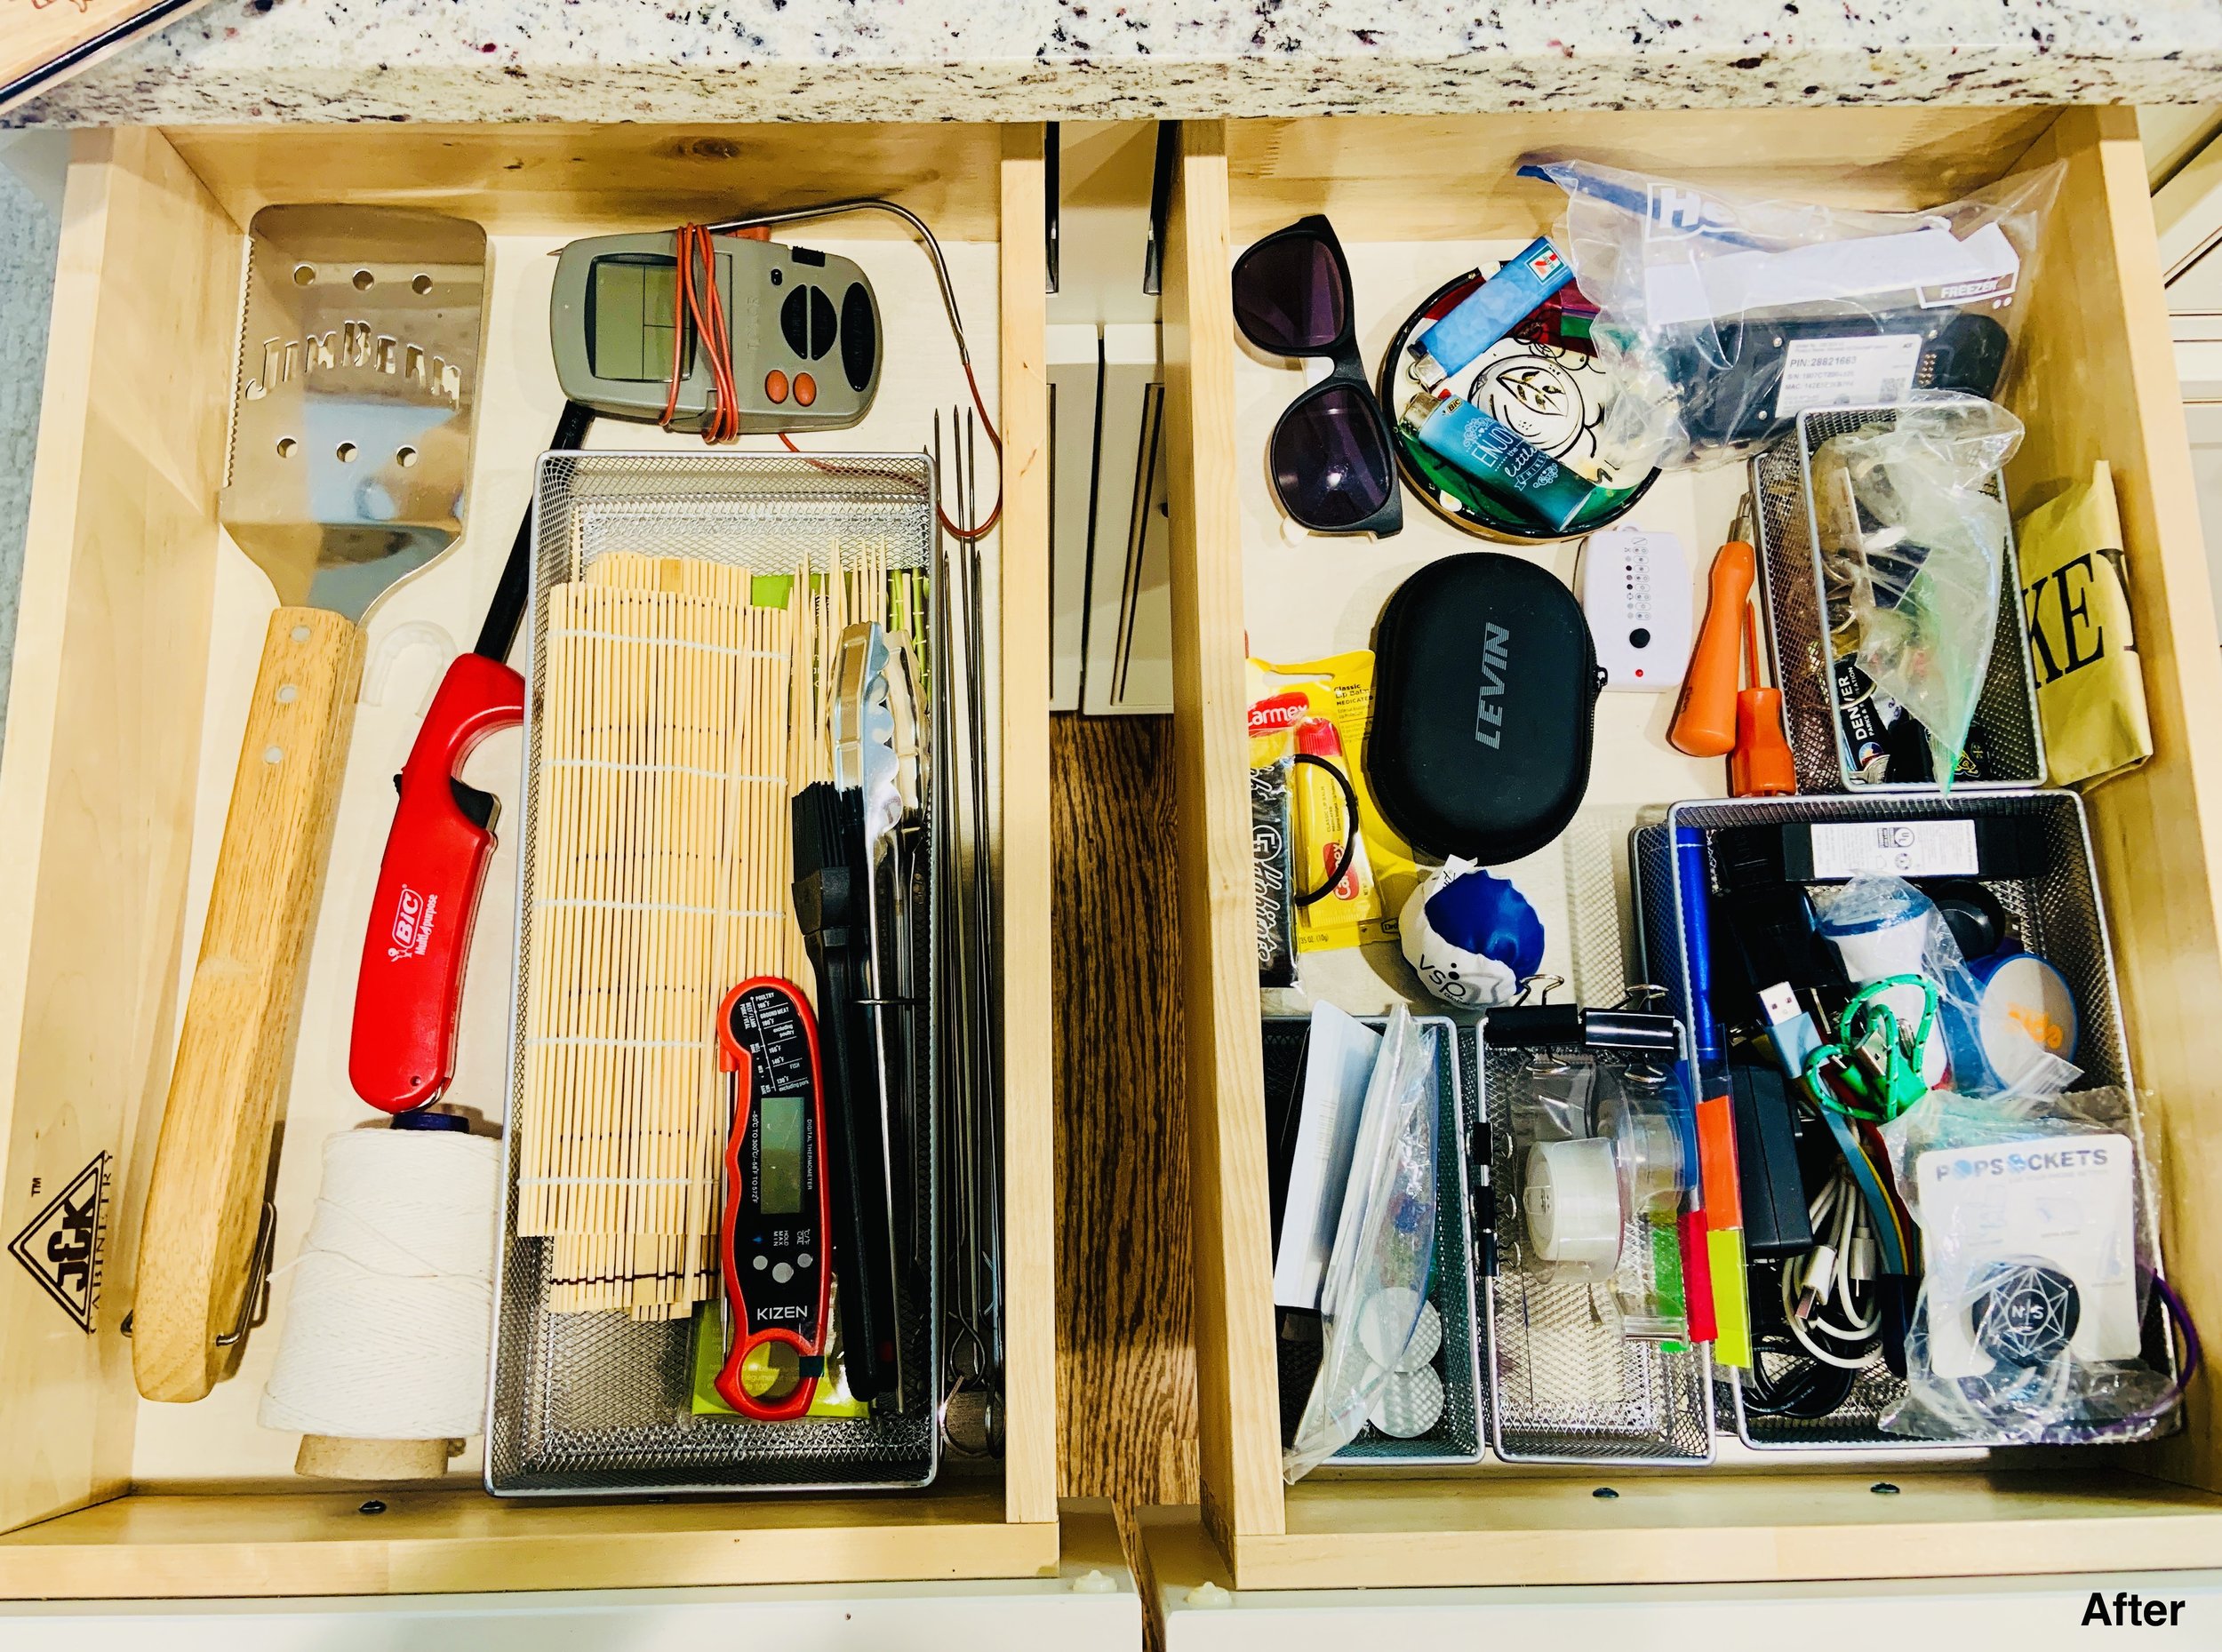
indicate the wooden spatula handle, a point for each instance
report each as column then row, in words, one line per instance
column 204, row 1202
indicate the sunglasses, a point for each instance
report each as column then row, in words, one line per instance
column 1333, row 458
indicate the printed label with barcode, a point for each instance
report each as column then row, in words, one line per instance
column 1846, row 373
column 1905, row 849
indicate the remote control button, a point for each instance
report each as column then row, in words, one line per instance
column 806, row 389
column 821, row 323
column 1639, row 638
column 803, row 1261
column 781, row 1272
column 794, row 320
column 859, row 338
column 763, row 1263
column 775, row 385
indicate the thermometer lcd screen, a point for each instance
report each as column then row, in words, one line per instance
column 780, row 1192
column 629, row 320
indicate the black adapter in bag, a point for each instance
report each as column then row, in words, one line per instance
column 1485, row 687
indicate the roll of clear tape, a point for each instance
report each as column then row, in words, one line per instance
column 388, row 1311
column 1572, row 1203
column 1649, row 1154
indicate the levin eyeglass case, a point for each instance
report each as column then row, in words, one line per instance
column 1485, row 687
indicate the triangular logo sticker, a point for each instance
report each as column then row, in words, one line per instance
column 63, row 1247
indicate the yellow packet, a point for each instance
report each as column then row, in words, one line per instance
column 832, row 1400
column 1323, row 710
column 2075, row 600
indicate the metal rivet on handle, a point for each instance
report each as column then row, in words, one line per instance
column 287, row 694
column 300, row 634
column 274, row 754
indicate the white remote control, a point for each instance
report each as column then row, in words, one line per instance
column 1635, row 594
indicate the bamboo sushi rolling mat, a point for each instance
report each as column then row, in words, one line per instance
column 682, row 702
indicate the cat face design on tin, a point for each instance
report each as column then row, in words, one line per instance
column 1551, row 398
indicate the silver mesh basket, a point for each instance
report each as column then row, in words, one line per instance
column 1788, row 530
column 2059, row 916
column 1457, row 1436
column 1565, row 1384
column 597, row 1403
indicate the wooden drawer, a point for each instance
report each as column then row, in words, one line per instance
column 2097, row 383
column 139, row 629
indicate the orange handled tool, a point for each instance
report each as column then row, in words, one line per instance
column 1761, row 765
column 1705, row 720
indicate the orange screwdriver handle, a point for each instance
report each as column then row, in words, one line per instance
column 1705, row 720
column 1762, row 764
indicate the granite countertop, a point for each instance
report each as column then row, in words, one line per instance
column 969, row 59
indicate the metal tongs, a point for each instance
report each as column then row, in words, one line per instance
column 876, row 754
column 969, row 1065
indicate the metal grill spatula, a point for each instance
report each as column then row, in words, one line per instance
column 350, row 453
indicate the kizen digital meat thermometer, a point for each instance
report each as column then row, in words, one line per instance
column 772, row 1242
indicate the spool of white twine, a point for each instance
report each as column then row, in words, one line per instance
column 388, row 1311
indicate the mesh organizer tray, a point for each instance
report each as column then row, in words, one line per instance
column 1564, row 1385
column 596, row 1404
column 1455, row 1437
column 2059, row 916
column 1790, row 569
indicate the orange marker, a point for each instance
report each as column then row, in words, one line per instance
column 1761, row 765
column 1705, row 721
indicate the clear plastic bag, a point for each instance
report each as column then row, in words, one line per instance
column 1724, row 317
column 2040, row 1242
column 1917, row 548
column 1385, row 1246
column 1883, row 926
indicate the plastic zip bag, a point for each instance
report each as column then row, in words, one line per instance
column 1910, row 537
column 1875, row 917
column 1385, row 1246
column 1723, row 317
column 2040, row 1250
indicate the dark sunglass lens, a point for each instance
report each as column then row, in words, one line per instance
column 1288, row 295
column 1331, row 461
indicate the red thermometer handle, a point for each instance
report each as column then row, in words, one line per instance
column 772, row 1254
column 409, row 993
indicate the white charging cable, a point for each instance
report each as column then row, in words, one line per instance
column 1840, row 1272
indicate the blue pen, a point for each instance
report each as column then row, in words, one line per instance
column 1696, row 900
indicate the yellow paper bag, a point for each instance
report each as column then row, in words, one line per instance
column 2075, row 600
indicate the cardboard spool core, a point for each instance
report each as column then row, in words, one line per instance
column 326, row 1456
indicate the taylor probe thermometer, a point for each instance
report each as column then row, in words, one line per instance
column 773, row 1239
column 409, row 989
